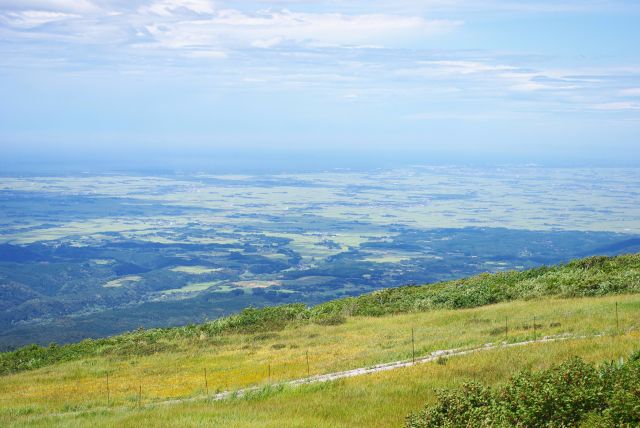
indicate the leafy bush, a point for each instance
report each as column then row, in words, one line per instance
column 331, row 320
column 571, row 394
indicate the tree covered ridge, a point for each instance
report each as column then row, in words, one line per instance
column 593, row 276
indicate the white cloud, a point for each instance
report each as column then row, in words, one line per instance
column 630, row 92
column 197, row 24
column 476, row 116
column 267, row 43
column 172, row 7
column 209, row 54
column 33, row 18
column 500, row 6
column 268, row 29
column 490, row 75
column 466, row 67
column 329, row 44
column 617, row 106
column 71, row 6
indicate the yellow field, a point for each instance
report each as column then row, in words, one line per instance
column 235, row 361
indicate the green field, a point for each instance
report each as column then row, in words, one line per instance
column 192, row 288
column 195, row 270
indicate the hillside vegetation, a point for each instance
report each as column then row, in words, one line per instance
column 594, row 276
column 570, row 394
column 165, row 377
column 74, row 394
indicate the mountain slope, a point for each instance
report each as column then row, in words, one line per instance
column 104, row 381
column 593, row 276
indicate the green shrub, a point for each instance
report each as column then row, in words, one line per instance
column 331, row 320
column 572, row 394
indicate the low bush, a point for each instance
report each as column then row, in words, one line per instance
column 574, row 393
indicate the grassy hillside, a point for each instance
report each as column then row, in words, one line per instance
column 594, row 276
column 121, row 380
column 245, row 359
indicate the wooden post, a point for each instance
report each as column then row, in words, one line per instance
column 206, row 382
column 534, row 328
column 269, row 372
column 413, row 346
column 140, row 396
column 308, row 369
column 108, row 392
column 506, row 328
column 617, row 320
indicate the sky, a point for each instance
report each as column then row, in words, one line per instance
column 223, row 84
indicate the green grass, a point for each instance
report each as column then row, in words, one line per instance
column 125, row 280
column 238, row 360
column 594, row 276
column 379, row 400
column 585, row 297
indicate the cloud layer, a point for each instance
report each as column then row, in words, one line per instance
column 198, row 23
column 407, row 63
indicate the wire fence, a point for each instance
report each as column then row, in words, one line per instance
column 117, row 387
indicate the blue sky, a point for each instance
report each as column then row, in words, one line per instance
column 418, row 81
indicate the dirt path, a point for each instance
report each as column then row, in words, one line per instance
column 433, row 356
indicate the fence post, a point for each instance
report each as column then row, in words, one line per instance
column 506, row 329
column 308, row 369
column 140, row 396
column 617, row 320
column 269, row 374
column 206, row 383
column 108, row 392
column 534, row 328
column 413, row 346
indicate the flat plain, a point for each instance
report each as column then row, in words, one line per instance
column 93, row 255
